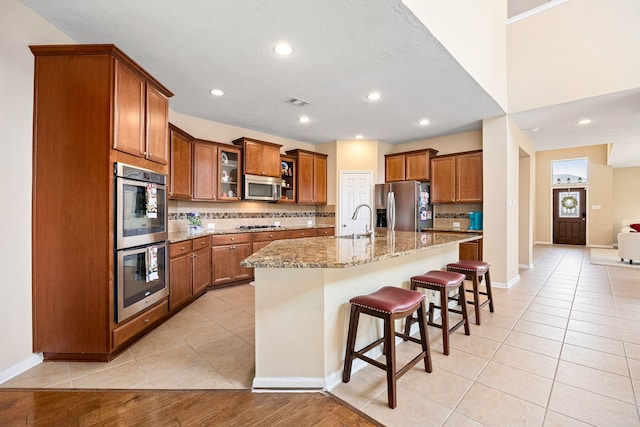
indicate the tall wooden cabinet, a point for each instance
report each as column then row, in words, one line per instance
column 311, row 177
column 457, row 178
column 93, row 106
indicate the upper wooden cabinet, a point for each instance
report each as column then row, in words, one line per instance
column 260, row 157
column 141, row 115
column 216, row 174
column 311, row 177
column 180, row 164
column 408, row 166
column 457, row 178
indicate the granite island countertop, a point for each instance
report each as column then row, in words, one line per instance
column 180, row 236
column 338, row 252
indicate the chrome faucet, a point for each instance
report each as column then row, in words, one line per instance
column 369, row 230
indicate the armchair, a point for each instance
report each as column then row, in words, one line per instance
column 629, row 241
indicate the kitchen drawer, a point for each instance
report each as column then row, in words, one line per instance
column 179, row 248
column 270, row 236
column 201, row 243
column 324, row 231
column 230, row 239
column 140, row 323
column 308, row 232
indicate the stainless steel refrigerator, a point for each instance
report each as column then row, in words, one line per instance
column 403, row 206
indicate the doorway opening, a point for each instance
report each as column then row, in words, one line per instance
column 570, row 216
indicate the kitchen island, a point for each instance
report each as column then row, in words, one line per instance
column 302, row 292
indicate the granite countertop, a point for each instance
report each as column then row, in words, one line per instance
column 180, row 236
column 452, row 229
column 336, row 252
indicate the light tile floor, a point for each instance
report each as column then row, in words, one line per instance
column 561, row 349
column 207, row 345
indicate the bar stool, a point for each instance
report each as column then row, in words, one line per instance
column 475, row 271
column 443, row 282
column 388, row 303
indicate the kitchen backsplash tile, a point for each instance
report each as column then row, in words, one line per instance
column 445, row 215
column 233, row 215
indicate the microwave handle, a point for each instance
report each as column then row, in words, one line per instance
column 277, row 191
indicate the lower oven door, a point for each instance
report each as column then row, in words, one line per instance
column 141, row 279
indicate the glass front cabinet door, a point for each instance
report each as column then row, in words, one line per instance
column 229, row 173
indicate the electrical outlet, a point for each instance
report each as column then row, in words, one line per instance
column 309, row 223
column 277, row 224
column 456, row 224
column 211, row 225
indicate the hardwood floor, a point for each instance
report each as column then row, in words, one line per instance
column 175, row 408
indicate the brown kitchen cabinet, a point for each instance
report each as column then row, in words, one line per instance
column 189, row 270
column 227, row 251
column 311, row 177
column 470, row 250
column 409, row 165
column 141, row 115
column 328, row 231
column 457, row 178
column 216, row 174
column 201, row 265
column 287, row 172
column 180, row 273
column 260, row 157
column 180, row 164
column 88, row 100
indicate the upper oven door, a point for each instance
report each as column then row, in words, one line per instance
column 141, row 213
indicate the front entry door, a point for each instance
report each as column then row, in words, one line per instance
column 570, row 216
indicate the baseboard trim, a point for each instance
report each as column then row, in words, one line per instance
column 295, row 383
column 20, row 367
column 526, row 266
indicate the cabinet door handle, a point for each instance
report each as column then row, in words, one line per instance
column 146, row 320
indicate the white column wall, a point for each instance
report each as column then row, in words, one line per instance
column 19, row 28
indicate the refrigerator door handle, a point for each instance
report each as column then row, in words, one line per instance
column 391, row 211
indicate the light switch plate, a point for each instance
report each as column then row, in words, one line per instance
column 211, row 225
column 456, row 224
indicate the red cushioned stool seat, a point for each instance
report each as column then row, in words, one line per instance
column 475, row 271
column 388, row 303
column 443, row 282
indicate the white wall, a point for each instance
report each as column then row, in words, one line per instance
column 19, row 28
column 592, row 42
column 474, row 32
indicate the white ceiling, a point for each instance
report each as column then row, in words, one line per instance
column 342, row 51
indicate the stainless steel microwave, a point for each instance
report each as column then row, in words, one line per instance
column 258, row 187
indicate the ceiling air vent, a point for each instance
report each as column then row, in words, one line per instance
column 297, row 102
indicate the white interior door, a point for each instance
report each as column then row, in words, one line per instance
column 355, row 187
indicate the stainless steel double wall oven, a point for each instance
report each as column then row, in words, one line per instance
column 140, row 240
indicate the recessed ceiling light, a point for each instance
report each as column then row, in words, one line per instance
column 216, row 92
column 303, row 119
column 373, row 96
column 424, row 122
column 584, row 121
column 359, row 136
column 283, row 49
